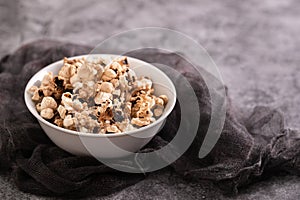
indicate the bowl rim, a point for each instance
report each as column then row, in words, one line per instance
column 131, row 132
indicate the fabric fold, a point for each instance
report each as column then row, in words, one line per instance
column 245, row 152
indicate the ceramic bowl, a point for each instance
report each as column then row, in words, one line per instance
column 106, row 145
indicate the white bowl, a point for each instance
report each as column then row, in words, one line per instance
column 106, row 145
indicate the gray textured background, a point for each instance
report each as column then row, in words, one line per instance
column 255, row 43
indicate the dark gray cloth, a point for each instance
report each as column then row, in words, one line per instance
column 246, row 151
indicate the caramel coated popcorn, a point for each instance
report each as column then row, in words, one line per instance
column 97, row 97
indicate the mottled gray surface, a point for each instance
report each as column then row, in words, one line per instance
column 255, row 43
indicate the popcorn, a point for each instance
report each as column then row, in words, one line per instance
column 140, row 121
column 69, row 69
column 107, row 87
column 95, row 97
column 164, row 98
column 144, row 83
column 48, row 85
column 85, row 123
column 66, row 100
column 115, row 82
column 158, row 112
column 62, row 111
column 48, row 102
column 68, row 121
column 109, row 74
column 113, row 129
column 36, row 93
column 58, row 121
column 47, row 113
column 78, row 106
column 36, row 96
column 47, row 80
column 159, row 101
column 33, row 89
column 102, row 97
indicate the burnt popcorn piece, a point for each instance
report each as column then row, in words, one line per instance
column 125, row 61
column 40, row 92
column 69, row 90
column 58, row 82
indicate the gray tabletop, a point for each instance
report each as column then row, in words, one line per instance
column 254, row 43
